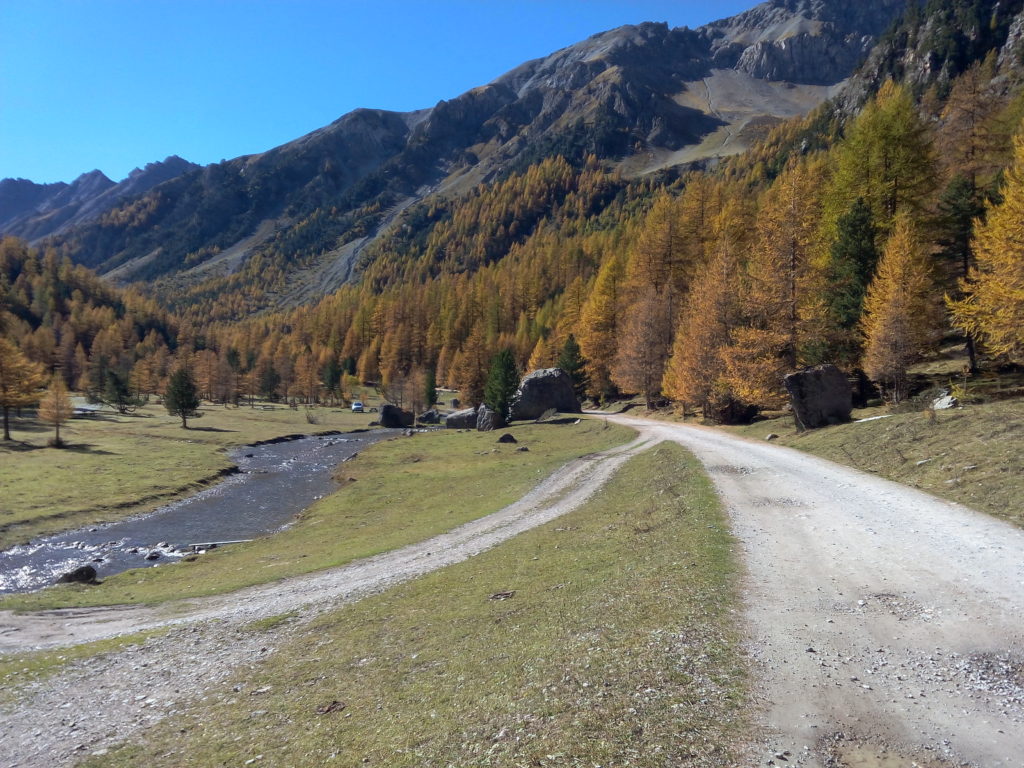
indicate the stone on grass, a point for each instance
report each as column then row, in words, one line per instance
column 543, row 390
column 464, row 419
column 820, row 396
column 433, row 416
column 393, row 417
column 488, row 420
column 507, row 438
column 944, row 403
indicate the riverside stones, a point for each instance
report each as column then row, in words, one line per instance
column 394, row 417
column 543, row 390
column 464, row 419
column 85, row 574
column 820, row 396
column 488, row 419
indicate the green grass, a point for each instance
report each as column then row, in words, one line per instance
column 971, row 455
column 116, row 466
column 619, row 647
column 19, row 670
column 397, row 492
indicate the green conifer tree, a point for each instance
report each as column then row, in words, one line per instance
column 571, row 360
column 502, row 383
column 182, row 398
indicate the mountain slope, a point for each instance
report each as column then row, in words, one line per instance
column 33, row 211
column 640, row 97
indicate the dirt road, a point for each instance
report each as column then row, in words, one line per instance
column 887, row 625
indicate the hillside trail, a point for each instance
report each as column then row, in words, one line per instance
column 886, row 626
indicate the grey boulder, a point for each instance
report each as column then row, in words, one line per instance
column 820, row 396
column 392, row 416
column 541, row 391
column 488, row 420
column 464, row 419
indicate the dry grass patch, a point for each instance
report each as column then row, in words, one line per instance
column 608, row 637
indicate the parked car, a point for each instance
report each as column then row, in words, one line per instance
column 357, row 406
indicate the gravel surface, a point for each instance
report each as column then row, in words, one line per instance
column 887, row 626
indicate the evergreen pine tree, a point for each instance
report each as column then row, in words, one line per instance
column 959, row 207
column 852, row 261
column 502, row 383
column 430, row 388
column 571, row 360
column 181, row 398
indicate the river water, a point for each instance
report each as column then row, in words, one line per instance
column 276, row 482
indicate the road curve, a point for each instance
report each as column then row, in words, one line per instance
column 886, row 624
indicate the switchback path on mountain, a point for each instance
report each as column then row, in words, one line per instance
column 881, row 619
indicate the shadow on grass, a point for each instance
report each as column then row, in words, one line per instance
column 19, row 446
column 86, row 448
column 209, row 429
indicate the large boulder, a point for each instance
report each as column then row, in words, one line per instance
column 820, row 396
column 464, row 419
column 543, row 390
column 488, row 420
column 433, row 416
column 393, row 417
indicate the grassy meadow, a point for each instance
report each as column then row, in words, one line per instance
column 395, row 493
column 619, row 645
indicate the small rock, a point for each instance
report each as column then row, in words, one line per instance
column 153, row 554
column 507, row 438
column 522, row 449
column 944, row 403
column 771, row 436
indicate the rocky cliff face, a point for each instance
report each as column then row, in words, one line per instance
column 642, row 91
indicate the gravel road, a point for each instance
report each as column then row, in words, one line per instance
column 886, row 626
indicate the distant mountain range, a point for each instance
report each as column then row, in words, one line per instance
column 34, row 211
column 640, row 98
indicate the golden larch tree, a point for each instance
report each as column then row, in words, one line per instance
column 20, row 380
column 992, row 309
column 900, row 311
column 56, row 408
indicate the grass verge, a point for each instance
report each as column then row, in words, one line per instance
column 116, row 466
column 398, row 492
column 618, row 646
column 970, row 455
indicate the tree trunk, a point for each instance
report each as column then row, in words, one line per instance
column 7, row 425
column 184, row 423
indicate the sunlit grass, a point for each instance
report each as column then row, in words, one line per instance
column 618, row 646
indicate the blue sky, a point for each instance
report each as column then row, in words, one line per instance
column 114, row 84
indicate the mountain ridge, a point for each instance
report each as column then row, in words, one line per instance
column 640, row 98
